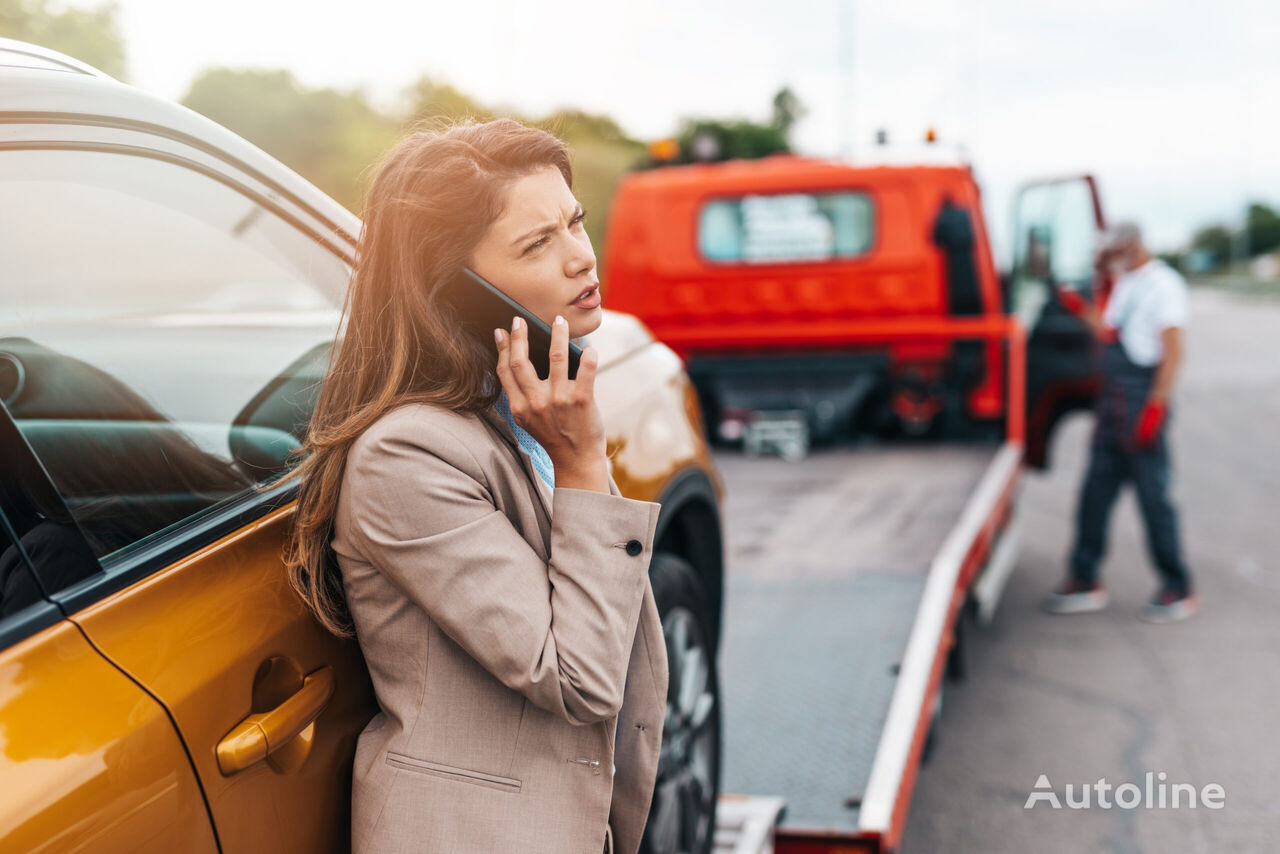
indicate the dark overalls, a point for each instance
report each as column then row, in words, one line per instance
column 1115, row 457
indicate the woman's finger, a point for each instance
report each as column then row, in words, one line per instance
column 585, row 381
column 558, row 358
column 521, row 368
column 515, row 396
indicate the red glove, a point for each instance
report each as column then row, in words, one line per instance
column 1150, row 420
column 1072, row 301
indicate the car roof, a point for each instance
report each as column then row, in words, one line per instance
column 39, row 86
column 19, row 54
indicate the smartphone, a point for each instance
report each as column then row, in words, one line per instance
column 483, row 307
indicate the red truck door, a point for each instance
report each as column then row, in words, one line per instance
column 1056, row 225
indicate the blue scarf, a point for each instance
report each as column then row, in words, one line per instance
column 541, row 462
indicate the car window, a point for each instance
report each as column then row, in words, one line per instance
column 23, row 609
column 785, row 227
column 162, row 335
column 19, row 590
column 37, row 535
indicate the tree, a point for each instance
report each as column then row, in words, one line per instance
column 429, row 100
column 711, row 140
column 328, row 136
column 572, row 124
column 1216, row 241
column 729, row 140
column 89, row 35
column 1262, row 229
column 786, row 110
column 331, row 137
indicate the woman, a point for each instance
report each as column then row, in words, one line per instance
column 496, row 580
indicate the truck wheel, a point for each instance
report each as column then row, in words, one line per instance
column 682, row 817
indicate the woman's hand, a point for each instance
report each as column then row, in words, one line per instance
column 559, row 412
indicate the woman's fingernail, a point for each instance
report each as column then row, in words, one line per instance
column 497, row 335
column 559, row 320
column 515, row 324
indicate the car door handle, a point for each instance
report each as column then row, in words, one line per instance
column 259, row 735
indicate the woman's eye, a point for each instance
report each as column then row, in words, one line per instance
column 577, row 220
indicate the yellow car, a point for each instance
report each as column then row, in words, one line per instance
column 168, row 296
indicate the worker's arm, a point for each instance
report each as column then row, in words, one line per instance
column 1170, row 361
column 1074, row 302
column 1151, row 419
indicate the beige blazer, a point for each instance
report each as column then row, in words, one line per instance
column 513, row 642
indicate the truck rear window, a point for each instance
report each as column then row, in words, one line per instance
column 785, row 227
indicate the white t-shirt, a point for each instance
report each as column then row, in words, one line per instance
column 1143, row 303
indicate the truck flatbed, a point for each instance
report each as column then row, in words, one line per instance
column 844, row 569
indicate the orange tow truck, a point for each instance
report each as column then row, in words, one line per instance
column 814, row 302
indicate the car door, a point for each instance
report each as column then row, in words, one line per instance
column 170, row 315
column 88, row 760
column 1056, row 225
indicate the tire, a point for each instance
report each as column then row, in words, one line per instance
column 682, row 814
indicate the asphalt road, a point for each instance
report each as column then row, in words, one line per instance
column 1106, row 696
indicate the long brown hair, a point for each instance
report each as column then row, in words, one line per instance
column 430, row 201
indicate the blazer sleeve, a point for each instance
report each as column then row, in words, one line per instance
column 559, row 632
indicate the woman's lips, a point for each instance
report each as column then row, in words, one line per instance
column 591, row 300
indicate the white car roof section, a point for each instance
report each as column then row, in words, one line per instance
column 34, row 94
column 27, row 55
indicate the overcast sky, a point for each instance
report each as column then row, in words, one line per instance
column 1173, row 105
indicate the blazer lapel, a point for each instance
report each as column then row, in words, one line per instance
column 500, row 424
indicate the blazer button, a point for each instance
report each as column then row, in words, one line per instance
column 634, row 547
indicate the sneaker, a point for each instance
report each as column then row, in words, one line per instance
column 1171, row 605
column 1077, row 597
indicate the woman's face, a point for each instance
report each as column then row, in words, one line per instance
column 538, row 253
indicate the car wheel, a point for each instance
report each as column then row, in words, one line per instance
column 682, row 817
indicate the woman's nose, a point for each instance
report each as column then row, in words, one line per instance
column 581, row 258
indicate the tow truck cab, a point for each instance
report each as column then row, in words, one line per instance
column 864, row 299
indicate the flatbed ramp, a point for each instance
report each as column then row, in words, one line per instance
column 829, row 559
column 744, row 825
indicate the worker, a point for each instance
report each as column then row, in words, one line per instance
column 1141, row 331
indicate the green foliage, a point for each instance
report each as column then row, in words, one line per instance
column 1260, row 236
column 89, row 35
column 1214, row 240
column 713, row 140
column 430, row 101
column 732, row 140
column 573, row 125
column 1262, row 229
column 786, row 110
column 327, row 135
column 332, row 137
